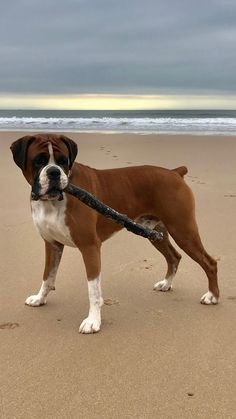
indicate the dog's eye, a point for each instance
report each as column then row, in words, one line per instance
column 62, row 161
column 40, row 160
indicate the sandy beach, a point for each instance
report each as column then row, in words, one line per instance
column 158, row 355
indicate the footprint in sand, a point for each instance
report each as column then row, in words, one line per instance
column 147, row 266
column 194, row 179
column 141, row 268
column 110, row 301
column 230, row 196
column 9, row 325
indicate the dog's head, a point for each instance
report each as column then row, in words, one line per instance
column 46, row 161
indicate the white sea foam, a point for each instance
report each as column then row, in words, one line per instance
column 170, row 125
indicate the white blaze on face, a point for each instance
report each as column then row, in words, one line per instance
column 51, row 155
column 43, row 177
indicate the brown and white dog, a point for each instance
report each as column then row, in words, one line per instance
column 151, row 195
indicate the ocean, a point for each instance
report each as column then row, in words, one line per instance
column 204, row 122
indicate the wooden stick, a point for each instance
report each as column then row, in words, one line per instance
column 108, row 212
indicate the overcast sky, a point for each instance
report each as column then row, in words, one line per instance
column 118, row 46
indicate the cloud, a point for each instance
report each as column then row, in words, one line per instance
column 128, row 47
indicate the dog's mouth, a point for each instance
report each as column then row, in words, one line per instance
column 53, row 194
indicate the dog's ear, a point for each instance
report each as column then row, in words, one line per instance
column 72, row 147
column 19, row 150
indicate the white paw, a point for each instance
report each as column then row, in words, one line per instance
column 164, row 285
column 90, row 325
column 35, row 300
column 209, row 298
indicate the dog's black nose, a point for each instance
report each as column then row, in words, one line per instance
column 53, row 173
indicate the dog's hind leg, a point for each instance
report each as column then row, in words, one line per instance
column 53, row 253
column 188, row 239
column 171, row 255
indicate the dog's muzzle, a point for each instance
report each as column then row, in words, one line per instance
column 49, row 184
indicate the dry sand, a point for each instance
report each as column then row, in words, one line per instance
column 159, row 355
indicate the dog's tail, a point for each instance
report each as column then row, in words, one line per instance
column 182, row 170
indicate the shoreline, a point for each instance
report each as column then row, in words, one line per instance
column 121, row 133
column 107, row 132
column 139, row 122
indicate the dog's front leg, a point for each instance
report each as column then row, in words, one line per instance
column 92, row 259
column 53, row 253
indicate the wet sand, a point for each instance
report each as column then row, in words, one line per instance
column 158, row 355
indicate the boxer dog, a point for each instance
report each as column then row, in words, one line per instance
column 154, row 196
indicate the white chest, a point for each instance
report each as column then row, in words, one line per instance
column 49, row 219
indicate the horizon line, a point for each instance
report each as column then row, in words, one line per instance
column 118, row 110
